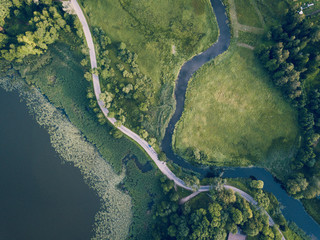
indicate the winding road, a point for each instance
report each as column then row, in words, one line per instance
column 212, row 52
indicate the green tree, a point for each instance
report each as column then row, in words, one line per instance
column 172, row 231
column 256, row 184
column 84, row 62
column 4, row 10
column 236, row 216
column 3, row 40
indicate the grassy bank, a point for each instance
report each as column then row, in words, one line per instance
column 312, row 206
column 163, row 34
column 235, row 115
column 59, row 76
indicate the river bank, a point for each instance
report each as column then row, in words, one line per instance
column 40, row 197
column 299, row 215
column 113, row 218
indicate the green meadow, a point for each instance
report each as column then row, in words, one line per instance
column 247, row 14
column 235, row 116
column 164, row 34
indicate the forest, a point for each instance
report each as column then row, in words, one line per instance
column 214, row 215
column 28, row 27
column 292, row 58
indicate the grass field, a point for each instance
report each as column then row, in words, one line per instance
column 235, row 115
column 249, row 38
column 59, row 76
column 151, row 29
column 272, row 10
column 247, row 14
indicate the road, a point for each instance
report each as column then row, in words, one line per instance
column 149, row 150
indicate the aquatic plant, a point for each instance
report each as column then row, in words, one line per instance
column 113, row 219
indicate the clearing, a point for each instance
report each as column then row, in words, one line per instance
column 235, row 115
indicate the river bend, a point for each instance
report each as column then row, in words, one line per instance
column 293, row 210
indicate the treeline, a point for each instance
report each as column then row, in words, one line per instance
column 126, row 92
column 210, row 217
column 292, row 58
column 28, row 27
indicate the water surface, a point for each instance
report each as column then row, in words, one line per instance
column 292, row 209
column 39, row 197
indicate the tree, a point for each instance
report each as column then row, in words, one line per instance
column 193, row 182
column 227, row 196
column 236, row 216
column 183, row 230
column 3, row 40
column 143, row 133
column 172, row 231
column 256, row 184
column 84, row 62
column 214, row 210
column 116, row 133
column 118, row 124
column 296, row 185
column 122, row 46
column 4, row 10
column 262, row 199
column 127, row 88
column 88, row 76
column 217, row 183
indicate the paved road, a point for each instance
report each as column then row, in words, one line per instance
column 150, row 151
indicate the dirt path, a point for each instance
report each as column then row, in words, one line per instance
column 236, row 26
column 245, row 46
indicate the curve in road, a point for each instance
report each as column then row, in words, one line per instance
column 223, row 43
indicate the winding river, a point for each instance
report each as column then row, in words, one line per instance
column 292, row 209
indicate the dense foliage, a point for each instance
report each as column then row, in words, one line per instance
column 210, row 216
column 293, row 60
column 28, row 27
column 126, row 92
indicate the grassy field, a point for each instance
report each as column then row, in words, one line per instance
column 59, row 76
column 247, row 14
column 272, row 10
column 249, row 38
column 163, row 34
column 235, row 115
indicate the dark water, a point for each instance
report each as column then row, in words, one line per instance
column 187, row 70
column 293, row 209
column 39, row 197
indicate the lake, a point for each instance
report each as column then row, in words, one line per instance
column 40, row 198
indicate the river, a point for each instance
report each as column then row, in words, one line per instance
column 40, row 198
column 292, row 209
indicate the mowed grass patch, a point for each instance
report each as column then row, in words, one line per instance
column 235, row 115
column 152, row 29
column 247, row 14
